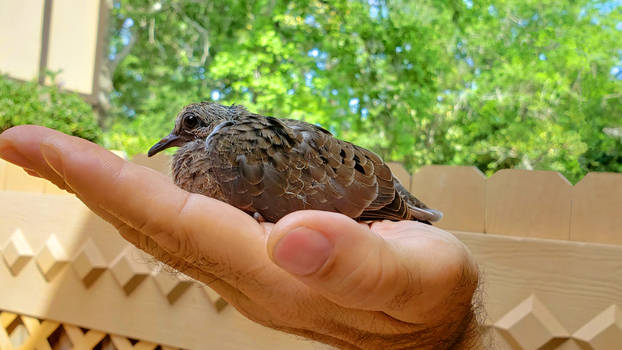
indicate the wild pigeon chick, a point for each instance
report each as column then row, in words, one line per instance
column 270, row 167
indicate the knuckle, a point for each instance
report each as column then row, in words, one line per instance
column 380, row 281
column 376, row 276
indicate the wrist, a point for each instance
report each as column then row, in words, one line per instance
column 470, row 333
column 470, row 337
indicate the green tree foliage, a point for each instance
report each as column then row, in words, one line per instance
column 30, row 103
column 529, row 84
column 541, row 90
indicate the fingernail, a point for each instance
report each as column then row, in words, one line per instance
column 302, row 251
column 51, row 156
column 10, row 154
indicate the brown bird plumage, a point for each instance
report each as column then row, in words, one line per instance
column 276, row 166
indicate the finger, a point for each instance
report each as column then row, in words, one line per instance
column 16, row 154
column 342, row 259
column 188, row 226
column 349, row 264
column 145, row 243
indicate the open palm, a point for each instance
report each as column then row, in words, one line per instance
column 316, row 274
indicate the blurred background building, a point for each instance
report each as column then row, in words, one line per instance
column 64, row 37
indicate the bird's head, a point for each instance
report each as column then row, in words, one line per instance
column 196, row 121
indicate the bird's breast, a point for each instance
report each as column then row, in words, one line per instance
column 192, row 171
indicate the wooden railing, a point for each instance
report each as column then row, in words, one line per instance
column 550, row 253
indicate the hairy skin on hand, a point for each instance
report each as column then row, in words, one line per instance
column 317, row 274
column 460, row 329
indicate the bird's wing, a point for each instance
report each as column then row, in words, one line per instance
column 275, row 166
column 404, row 206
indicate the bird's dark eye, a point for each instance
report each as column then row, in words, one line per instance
column 190, row 121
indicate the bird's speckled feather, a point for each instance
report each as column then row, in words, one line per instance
column 276, row 166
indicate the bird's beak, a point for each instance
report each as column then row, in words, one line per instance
column 171, row 140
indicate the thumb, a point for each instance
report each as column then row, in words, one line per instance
column 343, row 260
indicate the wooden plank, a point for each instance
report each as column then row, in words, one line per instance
column 39, row 215
column 529, row 204
column 16, row 179
column 400, row 173
column 3, row 164
column 575, row 281
column 457, row 191
column 597, row 209
column 20, row 181
column 50, row 188
column 160, row 162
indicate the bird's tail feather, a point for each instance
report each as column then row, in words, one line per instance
column 417, row 209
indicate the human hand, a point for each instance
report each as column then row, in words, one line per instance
column 316, row 274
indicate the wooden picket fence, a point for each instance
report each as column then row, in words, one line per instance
column 550, row 252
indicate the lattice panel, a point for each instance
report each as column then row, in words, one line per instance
column 29, row 333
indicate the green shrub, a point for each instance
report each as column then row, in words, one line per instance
column 30, row 103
